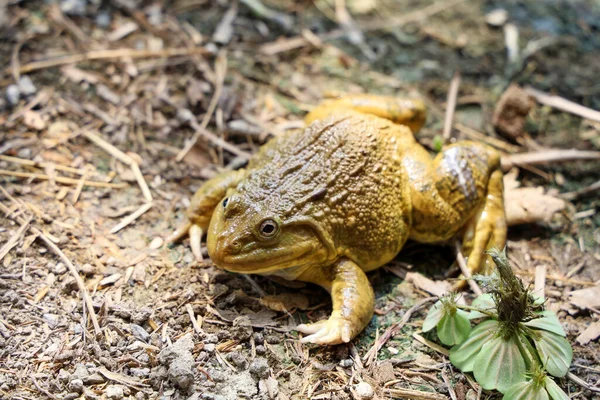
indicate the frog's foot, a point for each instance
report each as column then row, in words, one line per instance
column 334, row 330
column 352, row 300
column 195, row 232
column 486, row 229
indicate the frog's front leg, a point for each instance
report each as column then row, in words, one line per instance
column 201, row 208
column 353, row 303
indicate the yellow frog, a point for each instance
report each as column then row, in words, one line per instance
column 339, row 199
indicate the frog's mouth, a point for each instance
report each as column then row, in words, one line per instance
column 264, row 260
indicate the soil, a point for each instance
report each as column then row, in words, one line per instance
column 173, row 328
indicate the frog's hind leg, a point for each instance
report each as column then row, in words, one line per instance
column 409, row 112
column 485, row 230
column 201, row 208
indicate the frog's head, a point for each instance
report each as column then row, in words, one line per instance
column 250, row 236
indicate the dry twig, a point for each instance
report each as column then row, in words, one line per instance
column 563, row 104
column 462, row 264
column 451, row 106
column 61, row 179
column 547, row 157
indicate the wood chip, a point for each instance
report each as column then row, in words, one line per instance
column 586, row 298
column 592, row 332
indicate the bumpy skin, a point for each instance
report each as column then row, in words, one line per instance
column 341, row 198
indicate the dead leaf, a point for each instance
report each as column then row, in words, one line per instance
column 591, row 333
column 528, row 205
column 120, row 378
column 285, row 302
column 437, row 288
column 586, row 298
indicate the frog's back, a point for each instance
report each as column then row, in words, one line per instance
column 343, row 175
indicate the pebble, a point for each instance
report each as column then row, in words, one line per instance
column 156, row 243
column 73, row 7
column 76, row 385
column 364, row 391
column 26, row 86
column 13, row 94
column 211, row 338
column 259, row 367
column 260, row 350
column 80, row 372
column 139, row 332
column 114, row 392
column 52, row 319
column 103, row 19
column 347, row 363
column 94, row 379
column 237, row 359
column 210, row 347
column 497, row 17
column 180, row 361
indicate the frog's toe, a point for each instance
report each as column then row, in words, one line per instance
column 195, row 232
column 179, row 233
column 195, row 239
column 332, row 331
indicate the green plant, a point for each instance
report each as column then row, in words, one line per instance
column 515, row 346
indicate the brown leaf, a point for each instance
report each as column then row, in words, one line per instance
column 285, row 302
column 511, row 111
column 586, row 298
column 437, row 288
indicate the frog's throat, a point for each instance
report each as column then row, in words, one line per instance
column 324, row 237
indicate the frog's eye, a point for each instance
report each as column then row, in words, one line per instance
column 225, row 201
column 268, row 228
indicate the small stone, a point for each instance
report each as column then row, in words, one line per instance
column 156, row 243
column 26, row 86
column 139, row 332
column 103, row 19
column 259, row 338
column 497, row 17
column 363, row 391
column 80, row 372
column 59, row 269
column 13, row 94
column 273, row 339
column 63, row 375
column 261, row 350
column 180, row 361
column 94, row 379
column 73, row 7
column 184, row 116
column 53, row 320
column 259, row 368
column 211, row 338
column 76, row 385
column 114, row 392
column 347, row 363
column 210, row 347
column 87, row 269
column 140, row 372
column 237, row 360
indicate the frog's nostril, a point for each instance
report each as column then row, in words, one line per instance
column 235, row 246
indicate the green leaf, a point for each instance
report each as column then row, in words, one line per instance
column 500, row 364
column 555, row 352
column 525, row 391
column 483, row 302
column 436, row 312
column 555, row 392
column 548, row 321
column 463, row 355
column 454, row 329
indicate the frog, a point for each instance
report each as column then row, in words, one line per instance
column 330, row 203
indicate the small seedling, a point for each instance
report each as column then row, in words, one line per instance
column 515, row 346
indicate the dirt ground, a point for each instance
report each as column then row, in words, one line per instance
column 74, row 107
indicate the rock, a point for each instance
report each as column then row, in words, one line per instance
column 497, row 17
column 13, row 94
column 26, row 86
column 140, row 372
column 347, row 363
column 103, row 19
column 261, row 350
column 76, row 385
column 114, row 392
column 384, row 372
column 178, row 357
column 156, row 243
column 63, row 375
column 53, row 320
column 259, row 367
column 139, row 332
column 363, row 391
column 237, row 360
column 210, row 348
column 211, row 338
column 511, row 112
column 94, row 379
column 73, row 7
column 80, row 372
